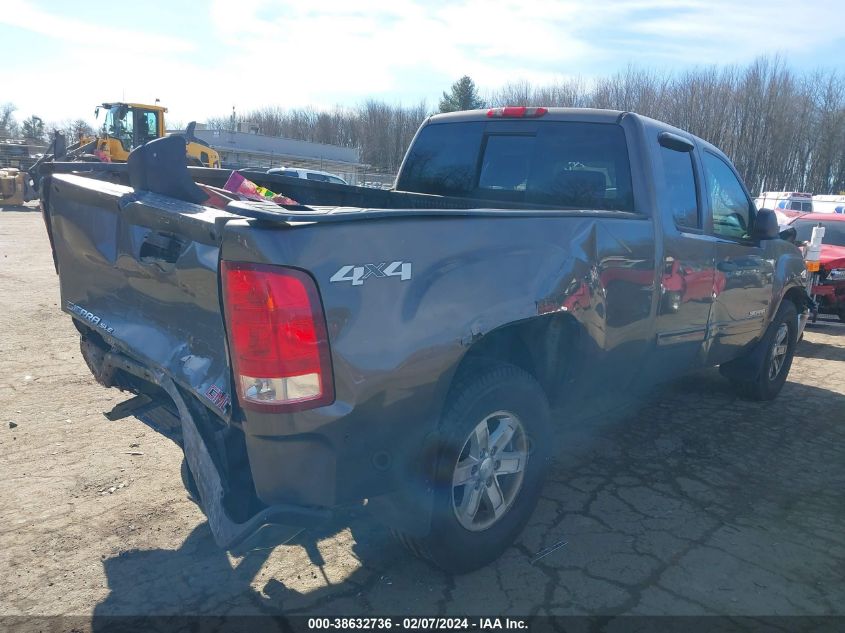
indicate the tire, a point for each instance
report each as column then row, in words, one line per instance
column 770, row 376
column 500, row 397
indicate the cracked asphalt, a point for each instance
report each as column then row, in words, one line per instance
column 692, row 501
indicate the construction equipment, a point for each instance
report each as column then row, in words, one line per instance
column 123, row 127
column 126, row 126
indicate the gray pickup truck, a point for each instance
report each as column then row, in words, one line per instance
column 404, row 347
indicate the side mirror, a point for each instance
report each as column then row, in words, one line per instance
column 765, row 225
column 789, row 234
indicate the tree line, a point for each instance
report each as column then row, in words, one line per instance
column 37, row 131
column 381, row 131
column 783, row 129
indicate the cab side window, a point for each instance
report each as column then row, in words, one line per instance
column 148, row 128
column 728, row 202
column 680, row 187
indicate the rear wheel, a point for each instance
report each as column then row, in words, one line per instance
column 491, row 466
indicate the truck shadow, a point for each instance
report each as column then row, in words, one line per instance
column 24, row 208
column 647, row 483
column 809, row 349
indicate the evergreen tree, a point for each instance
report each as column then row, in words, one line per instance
column 33, row 128
column 463, row 96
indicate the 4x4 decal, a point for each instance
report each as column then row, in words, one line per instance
column 358, row 274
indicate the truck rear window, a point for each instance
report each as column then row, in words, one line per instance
column 552, row 164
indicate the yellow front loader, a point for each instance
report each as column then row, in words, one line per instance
column 129, row 125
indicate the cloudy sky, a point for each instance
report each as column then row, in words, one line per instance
column 200, row 58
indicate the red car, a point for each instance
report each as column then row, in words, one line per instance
column 829, row 289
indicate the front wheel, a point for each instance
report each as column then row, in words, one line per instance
column 490, row 468
column 774, row 359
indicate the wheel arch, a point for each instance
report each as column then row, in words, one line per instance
column 545, row 347
column 797, row 295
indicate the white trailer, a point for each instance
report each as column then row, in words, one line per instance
column 829, row 204
column 785, row 201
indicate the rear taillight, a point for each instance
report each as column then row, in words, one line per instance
column 516, row 112
column 277, row 337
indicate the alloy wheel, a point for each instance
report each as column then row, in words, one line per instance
column 489, row 471
column 779, row 349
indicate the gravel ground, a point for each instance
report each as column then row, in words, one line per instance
column 693, row 502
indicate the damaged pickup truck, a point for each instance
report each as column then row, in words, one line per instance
column 406, row 347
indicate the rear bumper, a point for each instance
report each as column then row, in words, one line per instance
column 316, row 458
column 228, row 532
column 291, row 469
column 294, row 469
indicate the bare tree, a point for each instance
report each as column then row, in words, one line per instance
column 780, row 127
column 73, row 129
column 8, row 126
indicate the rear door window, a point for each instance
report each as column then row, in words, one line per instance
column 549, row 164
column 679, row 185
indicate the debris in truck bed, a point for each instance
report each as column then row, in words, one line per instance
column 248, row 189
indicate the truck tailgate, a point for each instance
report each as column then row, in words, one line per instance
column 143, row 270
